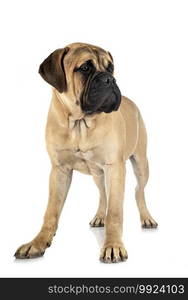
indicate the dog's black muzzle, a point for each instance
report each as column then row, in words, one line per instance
column 101, row 94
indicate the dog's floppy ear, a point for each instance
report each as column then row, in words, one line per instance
column 52, row 69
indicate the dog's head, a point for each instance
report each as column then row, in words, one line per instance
column 84, row 73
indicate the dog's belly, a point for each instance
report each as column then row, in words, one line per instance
column 81, row 166
column 84, row 163
column 80, row 161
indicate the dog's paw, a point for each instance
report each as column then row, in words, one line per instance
column 113, row 253
column 148, row 222
column 97, row 221
column 32, row 250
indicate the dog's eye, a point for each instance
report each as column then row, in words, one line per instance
column 110, row 68
column 84, row 68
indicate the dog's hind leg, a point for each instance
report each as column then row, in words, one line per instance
column 98, row 220
column 141, row 170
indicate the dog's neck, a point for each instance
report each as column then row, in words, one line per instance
column 69, row 107
column 69, row 113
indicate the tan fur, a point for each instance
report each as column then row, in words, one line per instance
column 98, row 145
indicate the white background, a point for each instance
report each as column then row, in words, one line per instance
column 148, row 40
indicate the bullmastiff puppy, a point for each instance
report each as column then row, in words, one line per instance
column 91, row 128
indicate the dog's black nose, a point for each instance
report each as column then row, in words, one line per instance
column 107, row 79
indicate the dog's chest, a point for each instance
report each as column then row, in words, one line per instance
column 84, row 143
column 78, row 130
column 80, row 139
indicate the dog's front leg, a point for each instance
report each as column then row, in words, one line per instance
column 113, row 249
column 60, row 180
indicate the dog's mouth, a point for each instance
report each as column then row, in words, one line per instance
column 101, row 94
